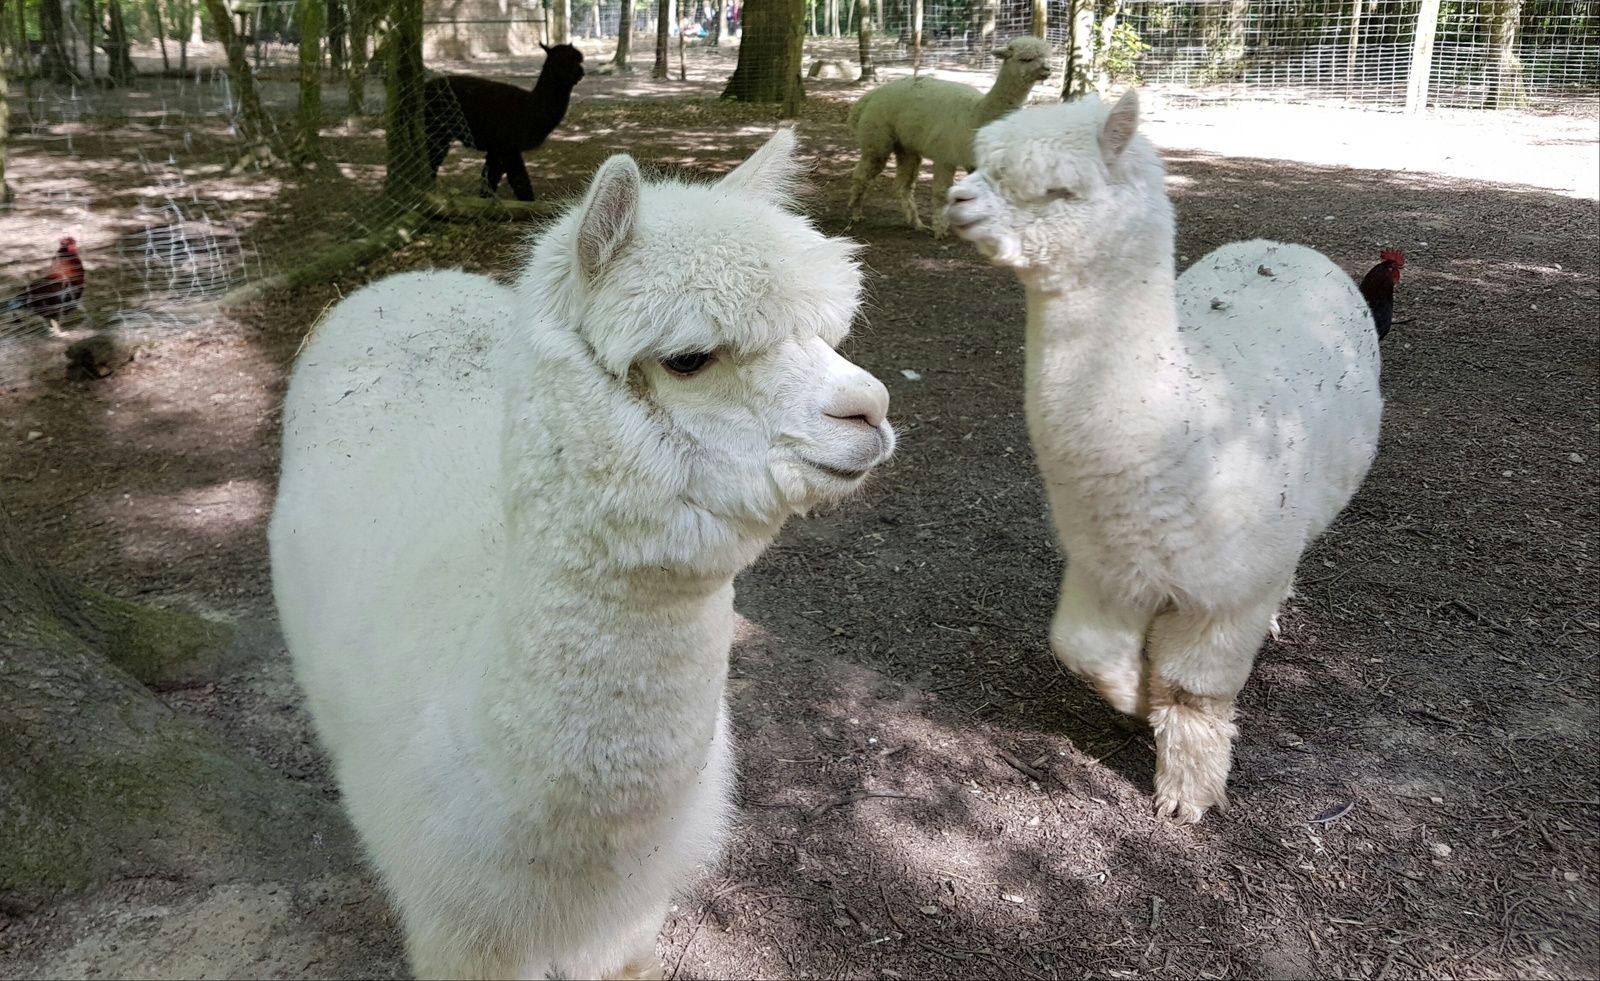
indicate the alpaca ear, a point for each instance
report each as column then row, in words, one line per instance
column 1117, row 132
column 771, row 172
column 546, row 47
column 608, row 213
column 1001, row 53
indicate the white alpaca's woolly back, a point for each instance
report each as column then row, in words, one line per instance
column 1195, row 434
column 504, row 546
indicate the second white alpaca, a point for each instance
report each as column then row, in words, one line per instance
column 912, row 118
column 504, row 546
column 1195, row 434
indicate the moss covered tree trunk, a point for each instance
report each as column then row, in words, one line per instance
column 1224, row 26
column 98, row 778
column 624, row 37
column 5, row 132
column 311, row 18
column 663, row 37
column 356, row 77
column 120, row 65
column 251, row 120
column 408, row 176
column 54, row 61
column 1508, row 85
column 772, row 37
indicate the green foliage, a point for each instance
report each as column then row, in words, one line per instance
column 1120, row 58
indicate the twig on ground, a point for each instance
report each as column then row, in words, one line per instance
column 1028, row 771
column 851, row 797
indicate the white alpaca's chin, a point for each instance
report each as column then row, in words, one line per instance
column 833, row 471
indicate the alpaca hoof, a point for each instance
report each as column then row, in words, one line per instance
column 1178, row 811
column 1184, row 801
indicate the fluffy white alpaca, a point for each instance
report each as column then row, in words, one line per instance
column 504, row 546
column 912, row 118
column 1195, row 434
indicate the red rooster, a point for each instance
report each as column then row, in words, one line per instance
column 1377, row 286
column 55, row 294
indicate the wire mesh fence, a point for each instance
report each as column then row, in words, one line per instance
column 146, row 146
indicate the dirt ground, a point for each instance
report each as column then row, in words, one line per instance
column 924, row 792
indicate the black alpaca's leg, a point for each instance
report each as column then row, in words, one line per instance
column 494, row 167
column 438, row 149
column 517, row 177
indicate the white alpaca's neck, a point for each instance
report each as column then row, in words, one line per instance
column 1103, row 353
column 615, row 618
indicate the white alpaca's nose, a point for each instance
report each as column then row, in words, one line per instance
column 858, row 398
column 962, row 191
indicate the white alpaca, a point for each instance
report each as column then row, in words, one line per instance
column 1195, row 434
column 912, row 118
column 504, row 547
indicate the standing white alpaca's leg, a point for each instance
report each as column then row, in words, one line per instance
column 943, row 176
column 645, row 964
column 440, row 949
column 1100, row 638
column 1199, row 659
column 907, row 165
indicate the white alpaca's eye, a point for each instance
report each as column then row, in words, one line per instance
column 688, row 364
column 1060, row 194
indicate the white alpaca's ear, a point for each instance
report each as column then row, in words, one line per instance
column 608, row 213
column 1117, row 132
column 771, row 172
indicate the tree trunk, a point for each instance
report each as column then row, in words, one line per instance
column 22, row 45
column 1223, row 26
column 773, row 37
column 6, row 196
column 1417, row 81
column 1040, row 22
column 1508, row 87
column 161, row 38
column 92, row 16
column 120, row 64
column 251, row 121
column 311, row 19
column 981, row 27
column 1079, row 74
column 663, row 36
column 916, row 34
column 1354, row 43
column 624, row 37
column 408, row 176
column 869, row 71
column 99, row 778
column 338, row 30
column 54, row 62
column 560, row 21
column 356, row 71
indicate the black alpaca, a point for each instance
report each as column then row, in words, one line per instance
column 501, row 120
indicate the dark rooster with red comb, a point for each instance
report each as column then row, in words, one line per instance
column 55, row 294
column 1377, row 286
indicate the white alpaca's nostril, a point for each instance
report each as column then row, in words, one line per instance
column 863, row 400
column 959, row 194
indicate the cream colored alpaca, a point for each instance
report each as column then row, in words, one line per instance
column 1195, row 434
column 504, row 548
column 912, row 118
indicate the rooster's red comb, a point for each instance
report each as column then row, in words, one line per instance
column 1393, row 255
column 69, row 242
